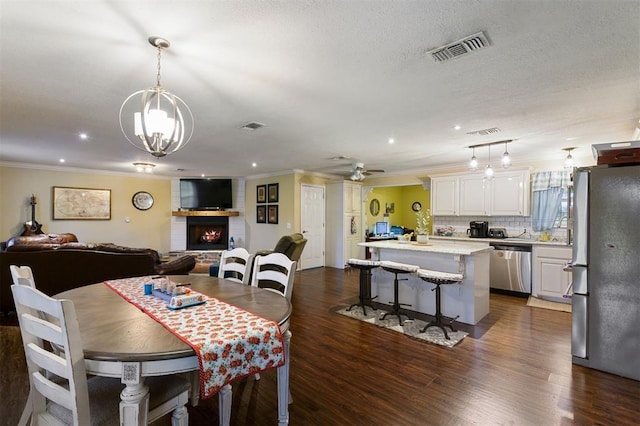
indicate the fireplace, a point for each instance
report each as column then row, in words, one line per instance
column 207, row 233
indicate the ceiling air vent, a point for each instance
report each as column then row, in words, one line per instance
column 254, row 125
column 485, row 132
column 461, row 47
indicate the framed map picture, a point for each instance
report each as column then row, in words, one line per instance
column 272, row 192
column 261, row 214
column 81, row 203
column 261, row 194
column 272, row 214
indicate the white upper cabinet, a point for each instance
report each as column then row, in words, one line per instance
column 507, row 194
column 473, row 201
column 444, row 196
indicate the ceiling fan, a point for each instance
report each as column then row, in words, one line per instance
column 359, row 172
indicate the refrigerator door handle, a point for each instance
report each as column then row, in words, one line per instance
column 580, row 217
column 579, row 324
column 579, row 279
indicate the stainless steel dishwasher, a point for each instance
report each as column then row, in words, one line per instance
column 510, row 268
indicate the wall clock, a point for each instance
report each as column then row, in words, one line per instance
column 416, row 206
column 142, row 200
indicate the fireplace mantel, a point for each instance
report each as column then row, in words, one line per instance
column 205, row 213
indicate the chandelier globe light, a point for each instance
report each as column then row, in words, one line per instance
column 155, row 120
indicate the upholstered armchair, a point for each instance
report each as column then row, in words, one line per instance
column 289, row 245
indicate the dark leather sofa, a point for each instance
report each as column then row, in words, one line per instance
column 59, row 263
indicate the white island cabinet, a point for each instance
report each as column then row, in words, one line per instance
column 470, row 299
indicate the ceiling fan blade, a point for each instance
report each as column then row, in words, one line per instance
column 375, row 170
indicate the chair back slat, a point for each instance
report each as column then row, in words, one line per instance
column 275, row 267
column 237, row 261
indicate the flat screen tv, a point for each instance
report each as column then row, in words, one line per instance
column 205, row 194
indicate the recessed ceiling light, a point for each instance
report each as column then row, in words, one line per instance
column 202, row 175
column 61, row 160
column 83, row 136
column 392, row 141
column 457, row 127
column 254, row 165
column 571, row 139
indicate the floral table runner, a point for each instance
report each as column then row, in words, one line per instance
column 230, row 342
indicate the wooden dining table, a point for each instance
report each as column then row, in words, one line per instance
column 120, row 340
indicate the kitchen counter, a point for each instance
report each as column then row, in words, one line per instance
column 445, row 247
column 512, row 240
column 469, row 299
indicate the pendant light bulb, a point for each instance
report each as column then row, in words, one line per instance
column 488, row 171
column 506, row 158
column 569, row 162
column 473, row 164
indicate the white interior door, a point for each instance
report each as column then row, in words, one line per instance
column 312, row 211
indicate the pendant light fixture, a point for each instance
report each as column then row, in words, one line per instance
column 154, row 119
column 569, row 162
column 488, row 170
column 506, row 158
column 473, row 164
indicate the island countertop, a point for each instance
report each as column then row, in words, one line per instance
column 444, row 247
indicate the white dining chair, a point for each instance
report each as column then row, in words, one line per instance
column 274, row 272
column 238, row 263
column 22, row 275
column 60, row 392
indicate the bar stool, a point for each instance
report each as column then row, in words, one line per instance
column 397, row 268
column 439, row 278
column 365, row 267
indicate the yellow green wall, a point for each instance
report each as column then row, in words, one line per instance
column 402, row 197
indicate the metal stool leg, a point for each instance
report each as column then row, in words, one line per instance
column 438, row 322
column 364, row 296
column 396, row 304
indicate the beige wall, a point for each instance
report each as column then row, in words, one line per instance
column 150, row 228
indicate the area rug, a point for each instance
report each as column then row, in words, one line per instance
column 546, row 304
column 409, row 327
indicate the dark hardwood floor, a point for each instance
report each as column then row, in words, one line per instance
column 514, row 368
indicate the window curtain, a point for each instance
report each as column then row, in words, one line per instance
column 547, row 198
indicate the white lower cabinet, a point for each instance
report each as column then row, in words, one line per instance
column 550, row 281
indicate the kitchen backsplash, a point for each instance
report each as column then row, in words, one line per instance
column 515, row 225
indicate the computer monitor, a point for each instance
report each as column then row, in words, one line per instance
column 382, row 228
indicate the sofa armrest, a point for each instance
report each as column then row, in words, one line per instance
column 180, row 266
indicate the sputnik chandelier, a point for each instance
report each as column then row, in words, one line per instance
column 154, row 119
column 488, row 171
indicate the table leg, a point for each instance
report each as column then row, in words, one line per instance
column 134, row 398
column 284, row 396
column 224, row 404
column 134, row 404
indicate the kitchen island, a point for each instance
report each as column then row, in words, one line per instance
column 469, row 299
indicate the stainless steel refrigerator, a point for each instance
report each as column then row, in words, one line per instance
column 606, row 269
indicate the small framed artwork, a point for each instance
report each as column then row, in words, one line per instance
column 272, row 193
column 81, row 203
column 261, row 214
column 272, row 214
column 261, row 194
